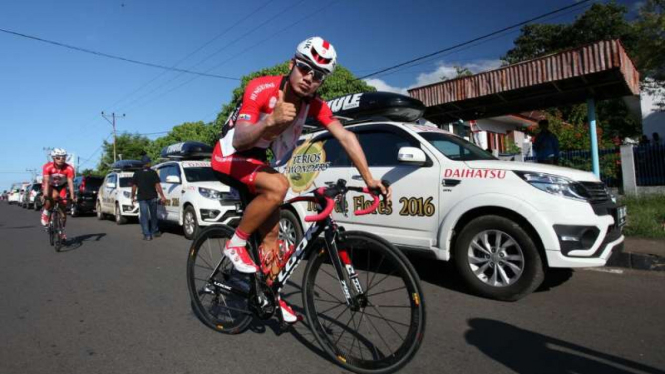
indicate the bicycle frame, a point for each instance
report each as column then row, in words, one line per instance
column 343, row 267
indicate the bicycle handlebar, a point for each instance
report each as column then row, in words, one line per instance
column 340, row 188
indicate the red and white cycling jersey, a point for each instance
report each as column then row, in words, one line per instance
column 58, row 176
column 259, row 101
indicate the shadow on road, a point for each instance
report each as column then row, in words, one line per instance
column 18, row 227
column 526, row 351
column 77, row 241
column 444, row 274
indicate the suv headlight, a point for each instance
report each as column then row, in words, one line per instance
column 126, row 194
column 554, row 184
column 210, row 194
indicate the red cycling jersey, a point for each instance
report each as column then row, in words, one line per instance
column 58, row 176
column 259, row 101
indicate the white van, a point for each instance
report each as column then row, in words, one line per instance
column 114, row 197
column 194, row 196
column 504, row 224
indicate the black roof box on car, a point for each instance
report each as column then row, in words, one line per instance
column 187, row 151
column 126, row 165
column 388, row 105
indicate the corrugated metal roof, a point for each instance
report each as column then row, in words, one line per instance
column 601, row 70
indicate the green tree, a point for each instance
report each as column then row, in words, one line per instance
column 341, row 82
column 649, row 49
column 130, row 146
column 188, row 131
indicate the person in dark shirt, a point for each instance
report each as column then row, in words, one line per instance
column 146, row 181
column 546, row 144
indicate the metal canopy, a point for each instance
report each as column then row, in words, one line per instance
column 601, row 70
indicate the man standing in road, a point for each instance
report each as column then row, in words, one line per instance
column 146, row 181
column 546, row 144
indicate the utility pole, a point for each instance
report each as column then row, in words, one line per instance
column 112, row 122
column 33, row 173
column 48, row 152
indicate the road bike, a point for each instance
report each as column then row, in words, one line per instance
column 55, row 227
column 361, row 296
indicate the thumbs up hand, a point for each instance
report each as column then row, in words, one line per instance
column 281, row 117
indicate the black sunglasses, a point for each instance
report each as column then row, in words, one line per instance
column 305, row 69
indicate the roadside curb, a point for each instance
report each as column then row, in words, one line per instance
column 638, row 261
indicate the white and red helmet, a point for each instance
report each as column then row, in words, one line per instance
column 319, row 53
column 58, row 152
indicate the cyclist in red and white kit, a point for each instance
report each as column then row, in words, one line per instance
column 57, row 176
column 272, row 115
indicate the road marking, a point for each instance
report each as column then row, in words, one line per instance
column 605, row 270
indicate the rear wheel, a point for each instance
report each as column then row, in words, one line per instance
column 289, row 228
column 386, row 331
column 208, row 271
column 497, row 259
column 98, row 209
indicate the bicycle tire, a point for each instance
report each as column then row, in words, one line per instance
column 203, row 258
column 393, row 271
column 57, row 230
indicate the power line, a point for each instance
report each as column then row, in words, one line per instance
column 95, row 152
column 317, row 11
column 251, row 13
column 252, row 30
column 577, row 4
column 116, row 57
column 430, row 59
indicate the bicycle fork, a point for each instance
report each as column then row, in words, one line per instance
column 345, row 273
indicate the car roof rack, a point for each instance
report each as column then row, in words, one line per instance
column 186, row 151
column 127, row 165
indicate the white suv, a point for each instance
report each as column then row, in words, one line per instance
column 502, row 223
column 194, row 196
column 115, row 195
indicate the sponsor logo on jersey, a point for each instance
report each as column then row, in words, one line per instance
column 260, row 88
column 245, row 117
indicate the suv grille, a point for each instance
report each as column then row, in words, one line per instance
column 598, row 193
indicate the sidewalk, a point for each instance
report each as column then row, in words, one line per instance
column 640, row 254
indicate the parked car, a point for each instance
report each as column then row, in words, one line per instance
column 194, row 196
column 14, row 193
column 503, row 224
column 38, row 202
column 85, row 191
column 115, row 193
column 29, row 197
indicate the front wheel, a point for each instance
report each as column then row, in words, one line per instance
column 190, row 225
column 210, row 277
column 387, row 329
column 119, row 218
column 497, row 259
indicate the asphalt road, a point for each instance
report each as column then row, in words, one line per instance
column 112, row 303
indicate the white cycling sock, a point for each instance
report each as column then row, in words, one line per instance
column 236, row 241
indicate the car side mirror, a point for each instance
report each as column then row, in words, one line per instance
column 173, row 179
column 411, row 155
column 110, row 185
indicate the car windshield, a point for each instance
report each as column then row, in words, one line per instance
column 456, row 148
column 200, row 175
column 94, row 183
column 125, row 182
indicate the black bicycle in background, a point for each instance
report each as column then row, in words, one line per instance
column 361, row 296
